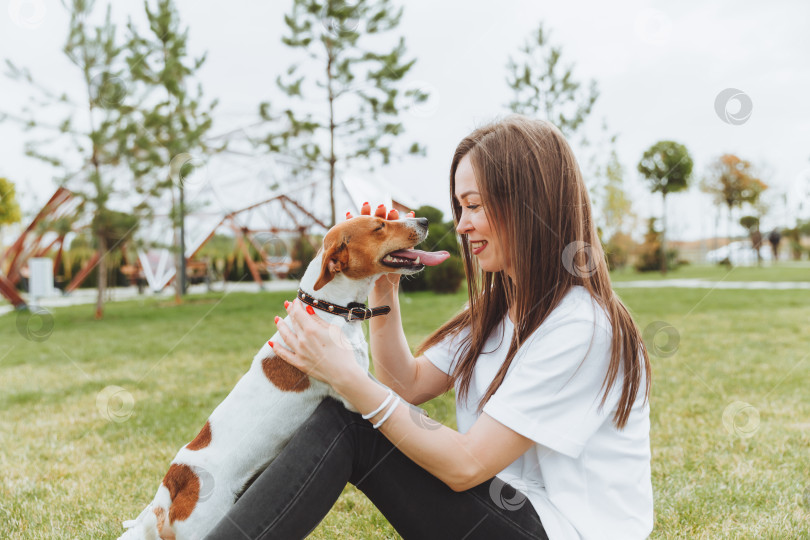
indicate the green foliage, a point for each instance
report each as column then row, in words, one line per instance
column 543, row 87
column 616, row 205
column 302, row 254
column 357, row 101
column 618, row 250
column 166, row 135
column 750, row 222
column 9, row 208
column 667, row 166
column 116, row 227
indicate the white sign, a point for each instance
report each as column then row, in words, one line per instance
column 40, row 283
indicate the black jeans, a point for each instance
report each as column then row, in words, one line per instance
column 335, row 446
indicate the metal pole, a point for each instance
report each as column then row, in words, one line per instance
column 182, row 242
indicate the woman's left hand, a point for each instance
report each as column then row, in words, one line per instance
column 318, row 348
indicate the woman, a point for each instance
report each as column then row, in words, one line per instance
column 550, row 373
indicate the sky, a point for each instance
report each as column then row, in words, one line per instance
column 660, row 67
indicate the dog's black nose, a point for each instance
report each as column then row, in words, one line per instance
column 423, row 222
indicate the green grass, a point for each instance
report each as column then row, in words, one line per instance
column 67, row 471
column 784, row 271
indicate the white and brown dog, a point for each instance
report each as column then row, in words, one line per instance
column 268, row 404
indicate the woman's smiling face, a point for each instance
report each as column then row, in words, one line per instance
column 473, row 221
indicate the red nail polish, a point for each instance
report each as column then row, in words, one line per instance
column 348, row 215
column 381, row 206
column 276, row 319
column 286, row 304
column 270, row 343
column 365, row 204
column 310, row 310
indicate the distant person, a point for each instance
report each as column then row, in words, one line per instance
column 774, row 238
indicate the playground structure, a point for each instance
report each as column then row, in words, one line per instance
column 268, row 225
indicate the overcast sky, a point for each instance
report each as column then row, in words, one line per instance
column 659, row 65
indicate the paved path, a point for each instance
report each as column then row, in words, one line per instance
column 88, row 296
column 707, row 284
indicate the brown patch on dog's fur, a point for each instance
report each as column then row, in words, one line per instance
column 202, row 439
column 284, row 376
column 184, row 489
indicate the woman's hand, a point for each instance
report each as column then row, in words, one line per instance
column 387, row 286
column 318, row 348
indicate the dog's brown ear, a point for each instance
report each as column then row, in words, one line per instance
column 335, row 259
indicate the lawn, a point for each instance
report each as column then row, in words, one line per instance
column 730, row 414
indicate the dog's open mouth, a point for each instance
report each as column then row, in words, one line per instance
column 414, row 258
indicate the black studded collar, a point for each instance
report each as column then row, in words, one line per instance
column 355, row 311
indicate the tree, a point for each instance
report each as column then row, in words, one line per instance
column 751, row 224
column 359, row 93
column 167, row 134
column 732, row 181
column 9, row 209
column 617, row 216
column 95, row 51
column 667, row 166
column 542, row 86
column 617, row 206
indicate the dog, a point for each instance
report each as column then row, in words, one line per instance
column 268, row 404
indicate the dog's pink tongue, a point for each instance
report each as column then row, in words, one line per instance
column 428, row 258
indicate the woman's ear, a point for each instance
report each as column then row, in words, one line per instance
column 335, row 259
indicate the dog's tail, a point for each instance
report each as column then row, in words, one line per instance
column 143, row 527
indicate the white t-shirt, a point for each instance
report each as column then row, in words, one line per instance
column 585, row 478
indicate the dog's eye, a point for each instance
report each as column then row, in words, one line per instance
column 381, row 227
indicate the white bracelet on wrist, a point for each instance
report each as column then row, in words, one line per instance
column 385, row 402
column 388, row 413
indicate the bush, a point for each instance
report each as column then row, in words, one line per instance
column 651, row 252
column 446, row 277
column 617, row 250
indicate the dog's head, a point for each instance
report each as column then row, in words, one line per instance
column 365, row 246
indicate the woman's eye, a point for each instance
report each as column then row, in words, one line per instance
column 472, row 206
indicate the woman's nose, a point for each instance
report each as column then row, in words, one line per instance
column 463, row 226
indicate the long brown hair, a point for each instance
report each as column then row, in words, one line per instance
column 536, row 201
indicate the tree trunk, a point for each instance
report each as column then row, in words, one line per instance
column 664, row 235
column 332, row 158
column 102, row 275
